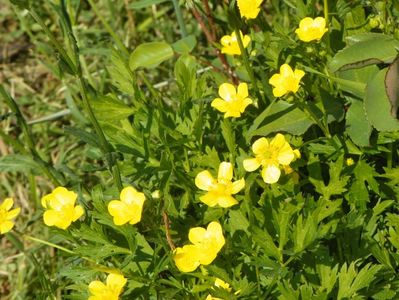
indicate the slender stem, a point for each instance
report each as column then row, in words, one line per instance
column 166, row 223
column 37, row 240
column 179, row 17
column 245, row 58
column 109, row 29
column 53, row 174
column 326, row 11
column 323, row 127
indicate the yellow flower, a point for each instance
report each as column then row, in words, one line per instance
column 270, row 156
column 286, row 81
column 232, row 102
column 109, row 291
column 350, row 162
column 60, row 208
column 230, row 43
column 6, row 215
column 220, row 283
column 219, row 191
column 249, row 8
column 206, row 243
column 129, row 208
column 311, row 29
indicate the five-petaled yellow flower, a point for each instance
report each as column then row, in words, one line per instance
column 311, row 29
column 286, row 81
column 6, row 215
column 271, row 156
column 249, row 8
column 230, row 43
column 60, row 208
column 109, row 291
column 219, row 190
column 232, row 102
column 206, row 243
column 128, row 208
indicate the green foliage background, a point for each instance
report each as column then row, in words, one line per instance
column 136, row 80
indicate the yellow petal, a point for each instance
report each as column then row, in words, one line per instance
column 220, row 105
column 279, row 91
column 271, row 174
column 209, row 199
column 278, row 141
column 227, row 91
column 77, row 212
column 116, row 282
column 245, row 41
column 97, row 287
column 320, row 23
column 207, row 254
column 222, row 284
column 225, row 40
column 119, row 211
column 246, row 102
column 13, row 213
column 204, row 180
column 251, row 164
column 214, row 229
column 298, row 74
column 238, row 186
column 306, row 22
column 286, row 71
column 225, row 172
column 6, row 226
column 7, row 204
column 196, row 235
column 128, row 194
column 51, row 217
column 260, row 146
column 297, row 153
column 63, row 197
column 226, row 201
column 136, row 214
column 242, row 90
column 275, row 80
column 187, row 258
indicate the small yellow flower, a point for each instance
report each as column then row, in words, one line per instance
column 220, row 283
column 232, row 102
column 350, row 162
column 286, row 81
column 311, row 29
column 6, row 215
column 206, row 244
column 230, row 43
column 249, row 8
column 128, row 208
column 270, row 156
column 60, row 208
column 219, row 191
column 109, row 291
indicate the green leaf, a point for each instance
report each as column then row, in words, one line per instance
column 282, row 117
column 392, row 86
column 185, row 45
column 139, row 4
column 263, row 239
column 363, row 53
column 238, row 221
column 357, row 126
column 17, row 163
column 109, row 109
column 22, row 4
column 150, row 55
column 377, row 104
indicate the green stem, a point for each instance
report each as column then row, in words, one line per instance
column 37, row 240
column 179, row 17
column 246, row 63
column 323, row 127
column 53, row 174
column 326, row 11
column 107, row 148
column 117, row 40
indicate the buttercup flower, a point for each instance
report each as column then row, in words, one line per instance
column 220, row 283
column 286, row 81
column 271, row 156
column 60, row 208
column 249, row 8
column 219, row 191
column 109, row 291
column 311, row 29
column 206, row 243
column 6, row 215
column 350, row 161
column 232, row 102
column 230, row 43
column 128, row 208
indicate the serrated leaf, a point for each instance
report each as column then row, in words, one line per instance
column 377, row 104
column 263, row 239
column 150, row 55
column 364, row 53
column 110, row 109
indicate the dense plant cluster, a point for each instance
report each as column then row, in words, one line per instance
column 266, row 168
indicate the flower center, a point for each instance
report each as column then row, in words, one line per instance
column 268, row 157
column 223, row 187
